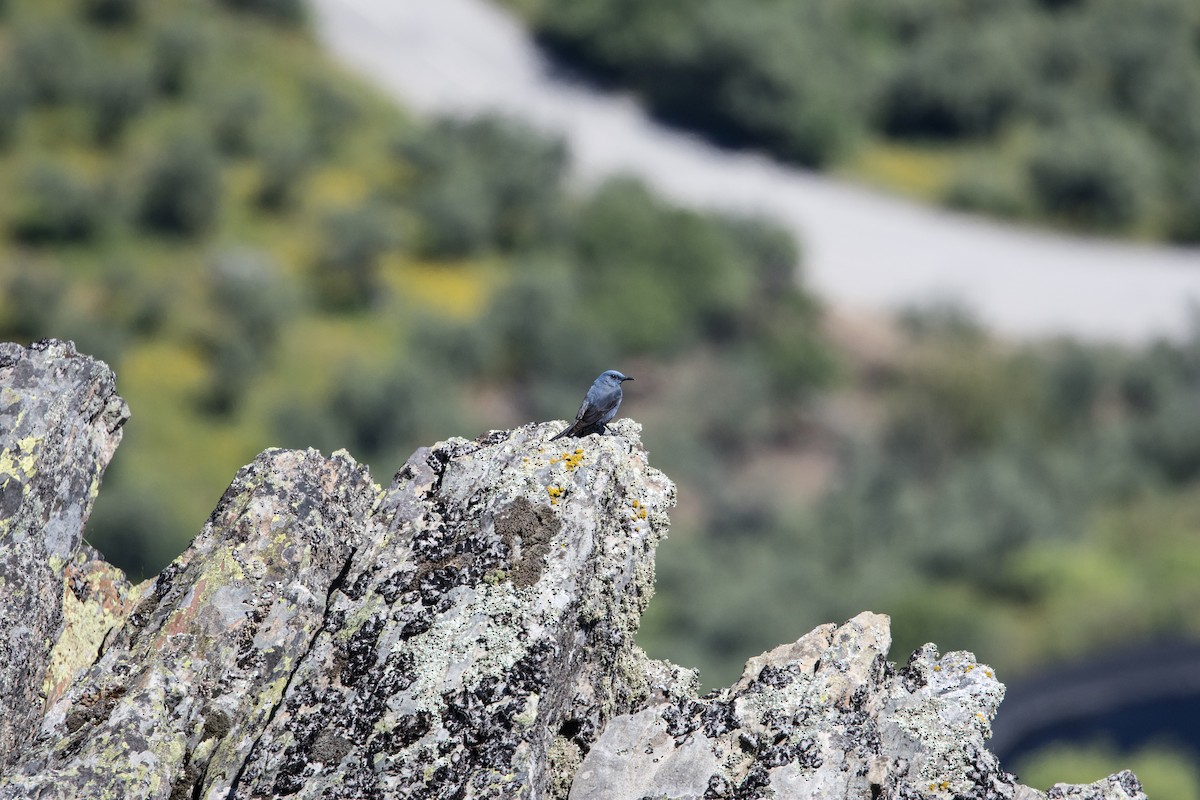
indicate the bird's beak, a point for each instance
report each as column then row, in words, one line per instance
column 626, row 379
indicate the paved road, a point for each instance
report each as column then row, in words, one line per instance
column 864, row 250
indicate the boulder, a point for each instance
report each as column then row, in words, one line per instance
column 466, row 632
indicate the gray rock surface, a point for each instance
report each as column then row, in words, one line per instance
column 467, row 632
column 825, row 717
column 60, row 421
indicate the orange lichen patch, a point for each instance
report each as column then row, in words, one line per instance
column 555, row 492
column 569, row 460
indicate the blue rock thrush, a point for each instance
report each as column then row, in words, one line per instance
column 599, row 406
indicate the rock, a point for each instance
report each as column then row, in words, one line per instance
column 467, row 632
column 825, row 717
column 60, row 421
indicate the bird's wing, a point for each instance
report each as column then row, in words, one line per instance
column 587, row 414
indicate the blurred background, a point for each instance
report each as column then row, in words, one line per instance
column 270, row 251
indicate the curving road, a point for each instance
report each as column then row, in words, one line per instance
column 864, row 250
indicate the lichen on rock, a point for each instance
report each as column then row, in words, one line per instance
column 60, row 421
column 462, row 633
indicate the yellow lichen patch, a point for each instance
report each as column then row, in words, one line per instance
column 555, row 492
column 107, row 598
column 19, row 461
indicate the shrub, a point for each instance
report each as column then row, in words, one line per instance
column 246, row 289
column 1170, row 105
column 233, row 113
column 252, row 304
column 1169, row 441
column 771, row 251
column 233, row 363
column 55, row 205
column 287, row 12
column 181, row 188
column 1094, row 173
column 460, row 349
column 1184, row 218
column 285, row 160
column 955, row 83
column 388, row 414
column 176, row 50
column 483, row 182
column 536, row 327
column 455, row 213
column 14, row 100
column 346, row 273
column 797, row 359
column 379, row 414
column 138, row 306
column 1073, row 383
column 51, row 61
column 115, row 95
column 985, row 191
column 780, row 80
column 332, row 111
column 112, row 12
column 31, row 300
column 669, row 275
column 1146, row 385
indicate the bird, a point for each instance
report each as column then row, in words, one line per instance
column 599, row 406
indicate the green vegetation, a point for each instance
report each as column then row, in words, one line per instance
column 1084, row 113
column 269, row 254
column 1029, row 504
column 1164, row 770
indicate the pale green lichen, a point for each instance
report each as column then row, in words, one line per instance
column 467, row 644
column 565, row 758
column 18, row 463
column 528, row 716
column 86, row 623
column 20, row 460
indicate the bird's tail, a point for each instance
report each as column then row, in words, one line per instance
column 562, row 433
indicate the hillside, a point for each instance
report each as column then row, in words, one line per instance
column 271, row 254
column 1083, row 114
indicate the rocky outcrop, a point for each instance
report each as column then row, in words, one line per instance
column 466, row 632
column 60, row 421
